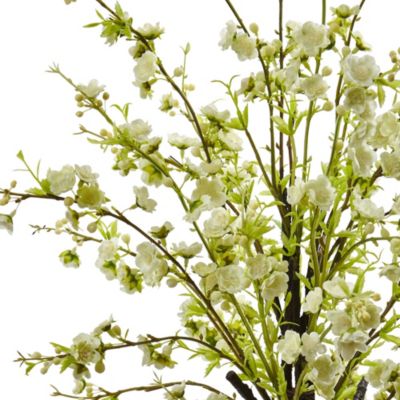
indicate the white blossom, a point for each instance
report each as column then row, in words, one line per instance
column 258, row 266
column 296, row 193
column 218, row 223
column 231, row 279
column 289, row 346
column 387, row 132
column 6, row 222
column 150, row 31
column 341, row 321
column 61, row 181
column 350, row 343
column 153, row 267
column 313, row 300
column 142, row 199
column 210, row 192
column 84, row 348
column 275, row 285
column 320, row 192
column 244, row 46
column 324, row 375
column 136, row 130
column 314, row 87
column 356, row 99
column 311, row 38
column 182, row 142
column 92, row 89
column 311, row 346
column 227, row 35
column 187, row 251
column 231, row 140
column 360, row 70
column 368, row 209
column 212, row 113
column 146, row 67
column 362, row 157
column 390, row 163
column 85, row 173
column 379, row 373
column 391, row 272
column 337, row 287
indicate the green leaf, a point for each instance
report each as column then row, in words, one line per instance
column 381, row 95
column 20, row 155
column 391, row 338
column 246, row 116
column 282, row 125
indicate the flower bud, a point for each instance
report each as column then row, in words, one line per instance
column 341, row 110
column 171, row 283
column 343, row 11
column 79, row 97
column 92, row 227
column 106, row 96
column 79, row 114
column 13, row 184
column 126, row 238
column 339, row 145
column 328, row 106
column 268, row 51
column 375, row 296
column 369, row 228
column 326, row 71
column 68, row 201
column 178, row 71
column 385, row 233
column 100, row 367
column 254, row 28
column 346, row 51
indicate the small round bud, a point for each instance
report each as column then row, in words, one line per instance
column 168, row 182
column 190, row 87
column 92, row 227
column 339, row 145
column 326, row 71
column 369, row 228
column 225, row 306
column 277, row 44
column 254, row 28
column 178, row 71
column 346, row 51
column 114, row 150
column 36, row 354
column 98, row 103
column 391, row 77
column 385, row 233
column 268, row 51
column 79, row 97
column 100, row 367
column 106, row 96
column 396, row 107
column 79, row 114
column 375, row 296
column 68, row 201
column 80, row 104
column 126, row 238
column 104, row 133
column 343, row 11
column 328, row 106
column 57, row 361
column 171, row 283
column 341, row 110
column 115, row 331
column 13, row 184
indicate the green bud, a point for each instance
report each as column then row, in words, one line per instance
column 100, row 367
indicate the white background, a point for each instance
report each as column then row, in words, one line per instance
column 40, row 300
